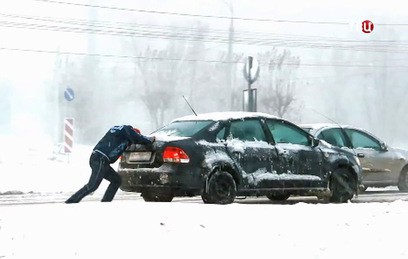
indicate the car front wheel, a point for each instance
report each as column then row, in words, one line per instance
column 220, row 189
column 342, row 184
column 362, row 189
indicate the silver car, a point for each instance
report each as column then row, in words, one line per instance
column 382, row 165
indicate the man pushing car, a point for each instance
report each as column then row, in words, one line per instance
column 106, row 152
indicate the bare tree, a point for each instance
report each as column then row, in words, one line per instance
column 276, row 84
column 169, row 73
column 160, row 73
column 187, row 68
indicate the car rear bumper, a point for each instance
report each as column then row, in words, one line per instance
column 134, row 180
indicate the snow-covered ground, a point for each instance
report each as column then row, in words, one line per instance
column 136, row 229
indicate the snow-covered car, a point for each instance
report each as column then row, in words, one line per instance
column 382, row 165
column 227, row 154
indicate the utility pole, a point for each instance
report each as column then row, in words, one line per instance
column 230, row 55
column 251, row 107
column 251, row 73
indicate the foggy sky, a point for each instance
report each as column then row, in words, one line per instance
column 370, row 93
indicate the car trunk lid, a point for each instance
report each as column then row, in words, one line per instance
column 145, row 156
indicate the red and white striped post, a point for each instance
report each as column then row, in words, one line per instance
column 68, row 135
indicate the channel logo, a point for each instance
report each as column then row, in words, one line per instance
column 366, row 26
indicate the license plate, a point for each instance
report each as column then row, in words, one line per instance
column 140, row 156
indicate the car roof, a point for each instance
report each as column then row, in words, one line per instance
column 317, row 127
column 222, row 116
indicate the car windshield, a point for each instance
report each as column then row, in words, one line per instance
column 183, row 128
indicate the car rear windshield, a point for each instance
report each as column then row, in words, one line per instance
column 183, row 128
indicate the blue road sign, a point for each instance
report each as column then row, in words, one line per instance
column 69, row 94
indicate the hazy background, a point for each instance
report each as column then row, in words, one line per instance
column 130, row 62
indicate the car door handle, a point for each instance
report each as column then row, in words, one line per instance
column 283, row 153
column 360, row 155
column 237, row 154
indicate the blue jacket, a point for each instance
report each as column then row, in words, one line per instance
column 117, row 139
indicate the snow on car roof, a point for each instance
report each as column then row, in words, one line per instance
column 217, row 116
column 316, row 126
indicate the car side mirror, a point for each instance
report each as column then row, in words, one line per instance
column 384, row 146
column 315, row 142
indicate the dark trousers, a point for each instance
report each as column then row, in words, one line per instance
column 101, row 169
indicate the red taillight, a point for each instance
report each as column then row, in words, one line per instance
column 175, row 155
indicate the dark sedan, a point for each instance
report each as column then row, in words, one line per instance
column 227, row 154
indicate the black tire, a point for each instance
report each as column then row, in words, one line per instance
column 403, row 180
column 342, row 185
column 278, row 196
column 362, row 189
column 221, row 189
column 157, row 195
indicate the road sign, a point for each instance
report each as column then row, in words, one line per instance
column 251, row 70
column 69, row 94
column 68, row 135
column 251, row 73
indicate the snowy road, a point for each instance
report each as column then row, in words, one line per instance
column 379, row 195
column 35, row 225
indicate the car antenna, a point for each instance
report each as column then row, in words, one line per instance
column 331, row 121
column 335, row 122
column 190, row 106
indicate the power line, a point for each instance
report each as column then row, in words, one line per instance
column 209, row 37
column 192, row 15
column 98, row 23
column 149, row 28
column 210, row 16
column 111, row 55
column 376, row 73
column 189, row 60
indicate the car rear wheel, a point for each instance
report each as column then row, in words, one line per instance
column 403, row 180
column 342, row 185
column 152, row 195
column 220, row 189
column 278, row 196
